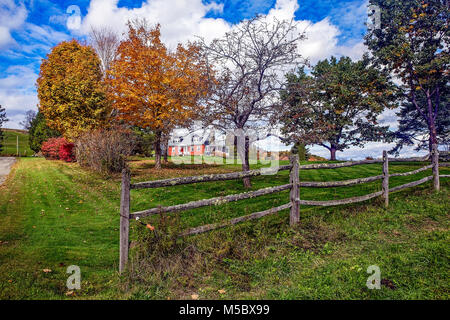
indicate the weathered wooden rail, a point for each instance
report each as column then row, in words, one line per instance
column 294, row 186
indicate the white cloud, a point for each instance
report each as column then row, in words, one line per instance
column 17, row 93
column 12, row 16
column 321, row 37
column 180, row 20
column 371, row 149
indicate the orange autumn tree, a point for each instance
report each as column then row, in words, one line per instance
column 71, row 93
column 153, row 88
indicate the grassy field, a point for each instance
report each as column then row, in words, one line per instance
column 10, row 143
column 53, row 215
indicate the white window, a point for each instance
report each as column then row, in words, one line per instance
column 198, row 148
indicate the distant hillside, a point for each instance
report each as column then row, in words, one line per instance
column 314, row 157
column 10, row 143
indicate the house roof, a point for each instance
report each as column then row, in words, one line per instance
column 198, row 137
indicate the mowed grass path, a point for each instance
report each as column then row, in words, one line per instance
column 53, row 215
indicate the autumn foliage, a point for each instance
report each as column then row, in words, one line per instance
column 70, row 89
column 66, row 152
column 58, row 149
column 153, row 88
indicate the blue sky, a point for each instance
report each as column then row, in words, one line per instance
column 30, row 28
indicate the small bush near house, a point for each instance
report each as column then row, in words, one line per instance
column 105, row 150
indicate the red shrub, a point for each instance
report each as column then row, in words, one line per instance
column 58, row 148
column 50, row 148
column 66, row 152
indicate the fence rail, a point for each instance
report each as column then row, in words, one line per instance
column 294, row 186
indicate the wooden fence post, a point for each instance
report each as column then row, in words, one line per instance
column 385, row 179
column 124, row 219
column 294, row 217
column 435, row 162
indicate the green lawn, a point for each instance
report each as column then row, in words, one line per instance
column 53, row 215
column 10, row 143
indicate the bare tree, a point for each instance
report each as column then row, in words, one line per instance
column 105, row 42
column 249, row 62
column 29, row 117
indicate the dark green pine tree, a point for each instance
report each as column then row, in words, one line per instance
column 40, row 132
column 337, row 105
column 412, row 40
column 3, row 119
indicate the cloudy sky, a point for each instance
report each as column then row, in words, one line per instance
column 29, row 29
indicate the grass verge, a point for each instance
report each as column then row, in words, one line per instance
column 54, row 214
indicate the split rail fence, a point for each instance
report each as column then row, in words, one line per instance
column 293, row 185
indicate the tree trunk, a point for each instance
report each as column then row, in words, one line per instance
column 166, row 149
column 430, row 120
column 433, row 133
column 235, row 151
column 158, row 151
column 246, row 162
column 333, row 153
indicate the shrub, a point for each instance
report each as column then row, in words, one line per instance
column 58, row 148
column 105, row 150
column 50, row 148
column 66, row 152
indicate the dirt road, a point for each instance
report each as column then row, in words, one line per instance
column 5, row 166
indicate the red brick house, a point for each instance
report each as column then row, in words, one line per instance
column 193, row 144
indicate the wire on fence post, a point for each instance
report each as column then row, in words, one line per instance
column 435, row 162
column 124, row 219
column 385, row 179
column 294, row 217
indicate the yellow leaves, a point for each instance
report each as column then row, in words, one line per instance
column 152, row 87
column 70, row 89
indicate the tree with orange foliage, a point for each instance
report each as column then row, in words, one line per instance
column 153, row 88
column 71, row 93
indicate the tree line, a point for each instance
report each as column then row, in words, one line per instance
column 236, row 83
